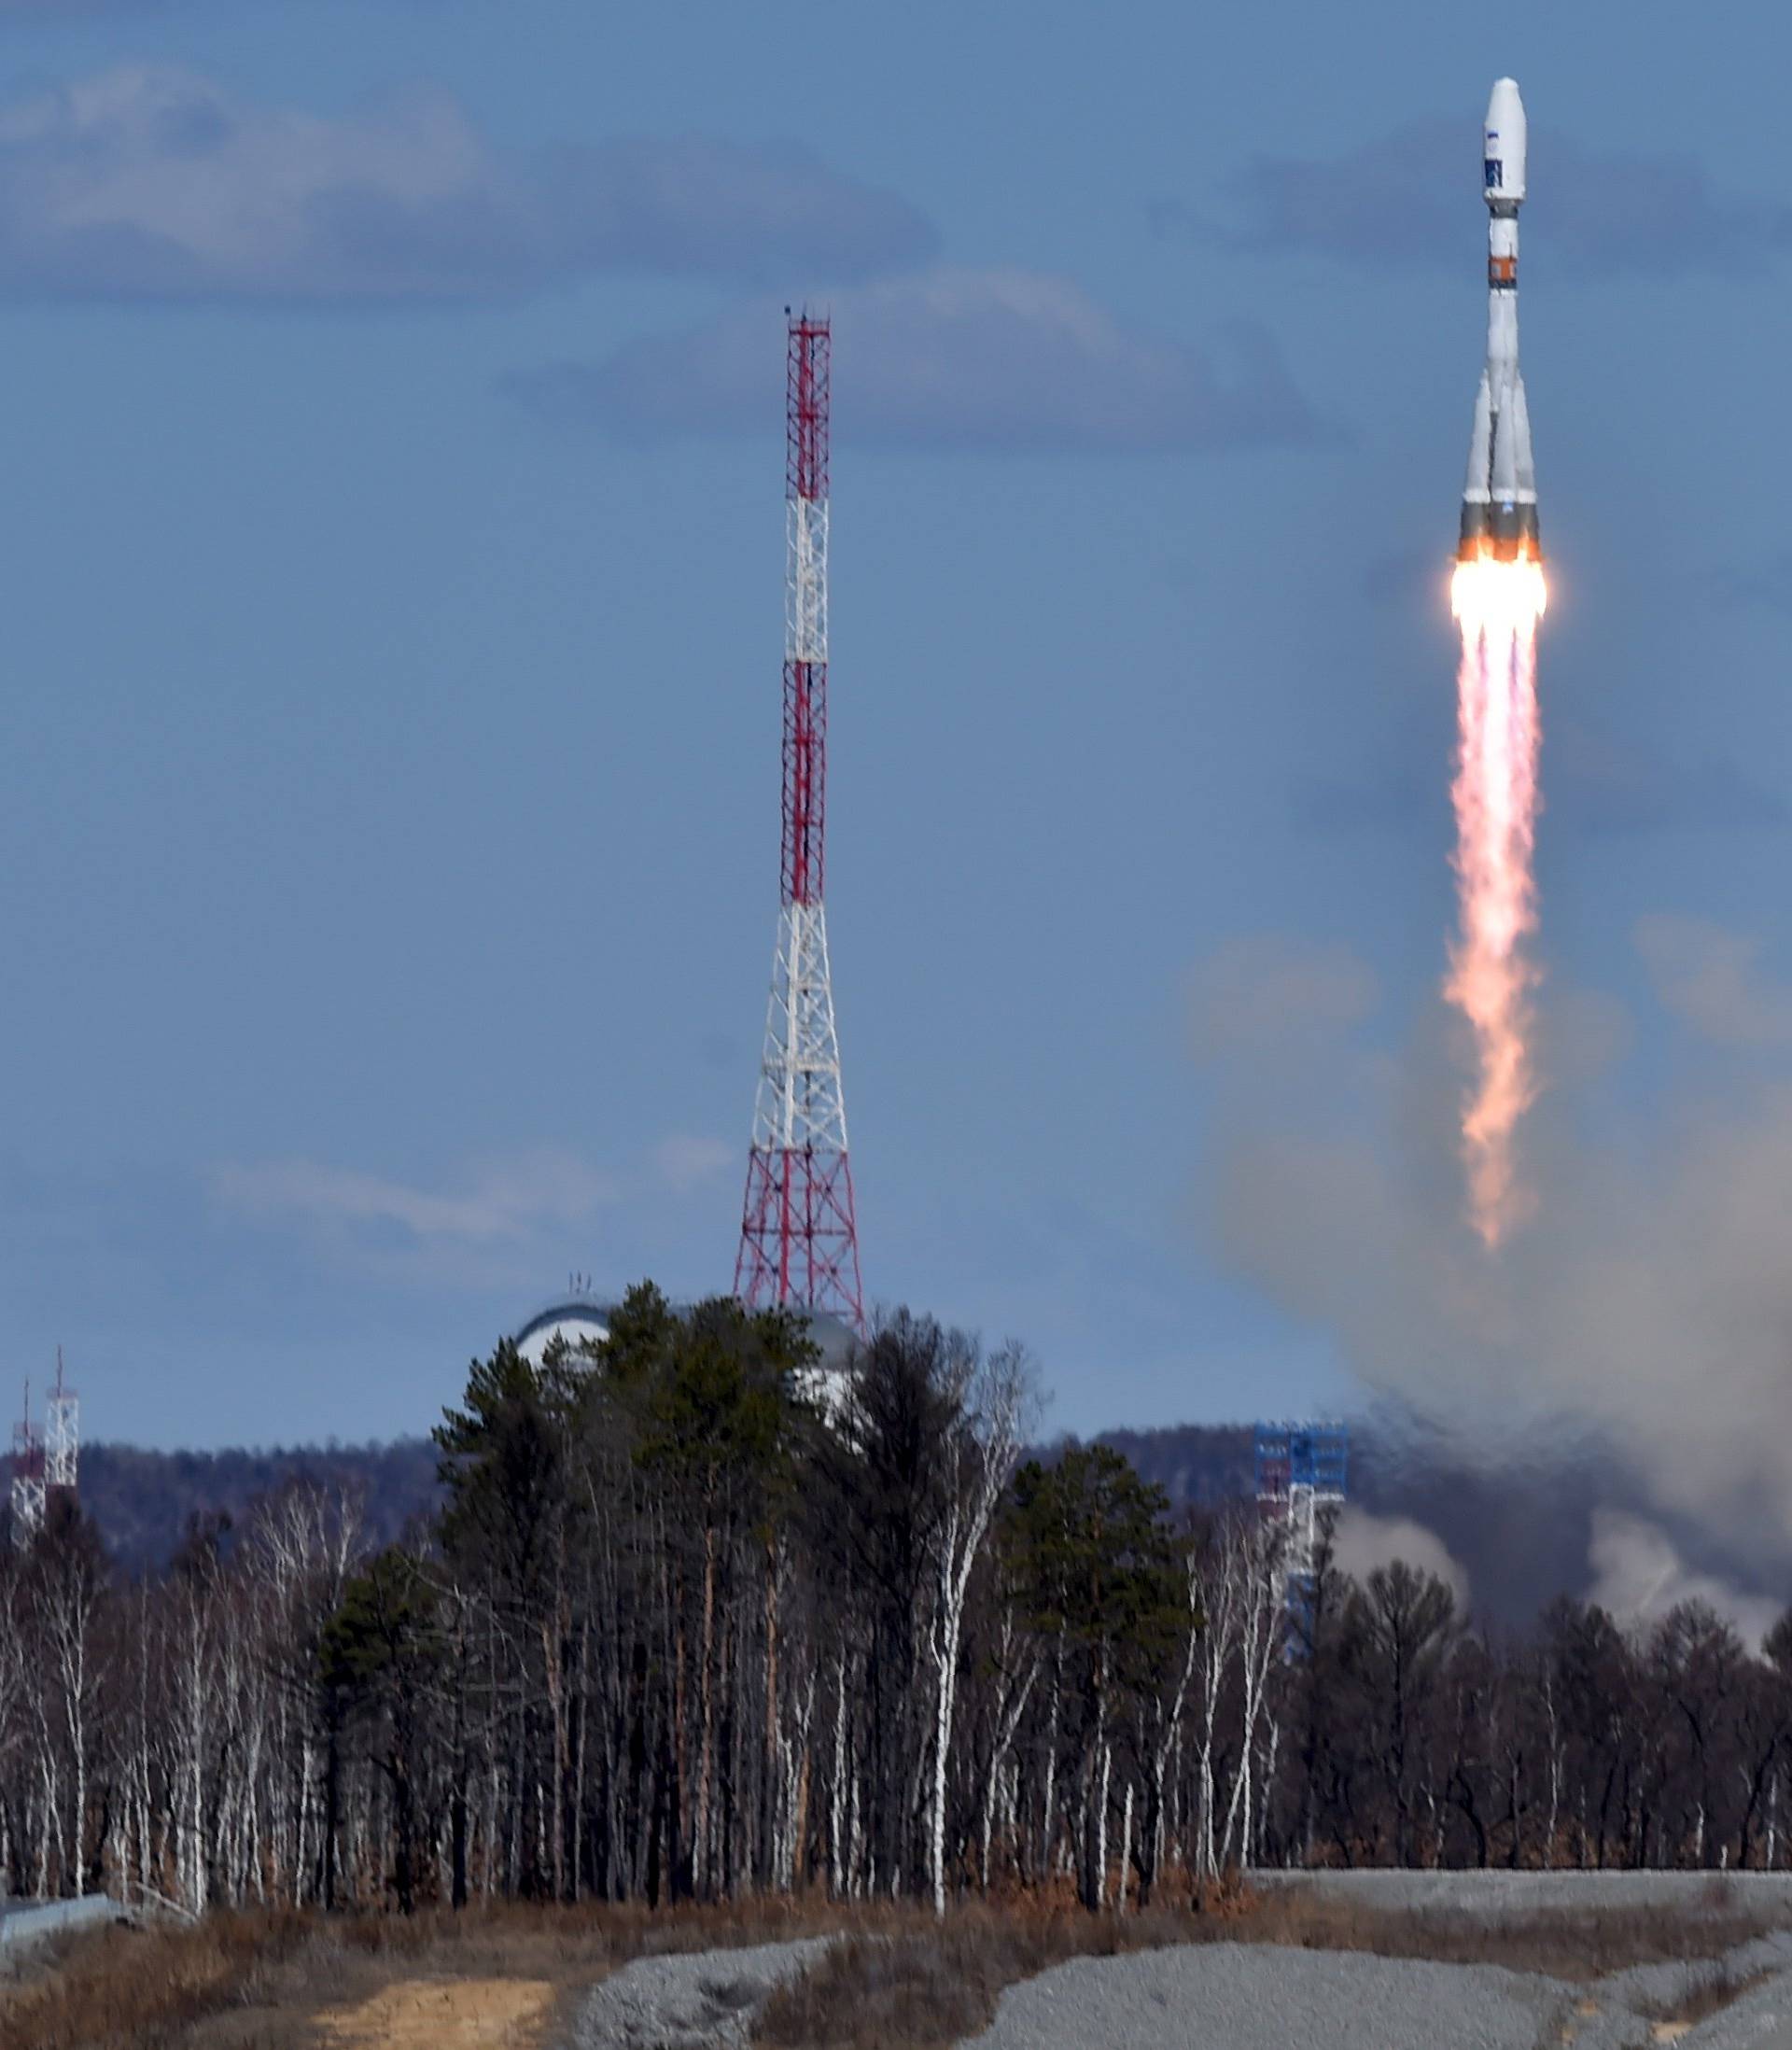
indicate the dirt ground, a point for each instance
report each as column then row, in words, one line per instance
column 491, row 1978
column 444, row 2014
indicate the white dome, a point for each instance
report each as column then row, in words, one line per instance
column 575, row 1324
column 580, row 1321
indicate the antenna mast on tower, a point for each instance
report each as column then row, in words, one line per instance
column 62, row 1433
column 799, row 1242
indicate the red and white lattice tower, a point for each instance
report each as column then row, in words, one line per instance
column 799, row 1242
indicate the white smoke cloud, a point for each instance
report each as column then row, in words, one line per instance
column 1711, row 980
column 1649, row 1308
column 1364, row 1541
column 1638, row 1575
column 1266, row 987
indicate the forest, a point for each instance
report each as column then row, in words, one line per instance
column 693, row 1622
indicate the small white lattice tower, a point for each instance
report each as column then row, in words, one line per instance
column 27, row 1477
column 799, row 1241
column 62, row 1433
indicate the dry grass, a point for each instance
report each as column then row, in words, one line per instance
column 932, row 1984
column 898, row 1981
column 1574, row 1944
column 924, row 1987
column 262, row 1981
column 126, row 1985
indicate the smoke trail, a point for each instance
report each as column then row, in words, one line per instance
column 1497, row 605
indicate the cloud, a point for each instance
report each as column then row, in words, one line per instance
column 1266, row 987
column 1398, row 202
column 1363, row 1542
column 1646, row 1311
column 1639, row 1576
column 1710, row 979
column 996, row 359
column 153, row 182
column 503, row 1205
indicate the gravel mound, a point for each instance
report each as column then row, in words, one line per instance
column 704, row 1999
column 1256, row 1996
column 1758, row 2020
column 1252, row 1997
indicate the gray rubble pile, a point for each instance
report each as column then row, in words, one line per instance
column 1232, row 1996
column 703, row 2000
column 1254, row 1997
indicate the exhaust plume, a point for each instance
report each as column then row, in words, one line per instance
column 1497, row 606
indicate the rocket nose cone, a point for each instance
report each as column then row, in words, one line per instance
column 1503, row 142
column 1504, row 103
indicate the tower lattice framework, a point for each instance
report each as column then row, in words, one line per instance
column 46, row 1459
column 799, row 1239
column 28, row 1489
column 1302, row 1470
column 62, row 1433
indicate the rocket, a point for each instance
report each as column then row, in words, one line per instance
column 1500, row 498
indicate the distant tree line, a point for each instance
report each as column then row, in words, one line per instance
column 694, row 1622
column 1520, row 1538
column 145, row 1500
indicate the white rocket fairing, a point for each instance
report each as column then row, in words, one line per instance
column 1500, row 498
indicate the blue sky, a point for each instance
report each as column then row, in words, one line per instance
column 393, row 557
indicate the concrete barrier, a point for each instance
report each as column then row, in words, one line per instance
column 23, row 1922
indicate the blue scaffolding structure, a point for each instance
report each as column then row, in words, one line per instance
column 1303, row 1471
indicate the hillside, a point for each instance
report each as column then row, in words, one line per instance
column 143, row 1501
column 1522, row 1538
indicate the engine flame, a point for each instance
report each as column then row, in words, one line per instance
column 1497, row 605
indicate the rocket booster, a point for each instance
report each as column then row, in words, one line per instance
column 1500, row 498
